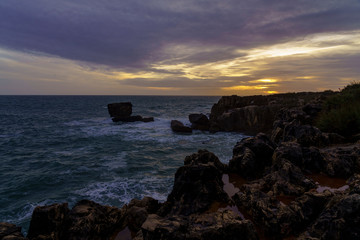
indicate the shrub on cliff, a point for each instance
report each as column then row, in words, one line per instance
column 341, row 112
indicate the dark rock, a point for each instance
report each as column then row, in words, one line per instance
column 89, row 220
column 312, row 109
column 147, row 119
column 342, row 161
column 294, row 218
column 204, row 157
column 287, row 179
column 10, row 231
column 196, row 187
column 199, row 122
column 149, row 204
column 210, row 226
column 251, row 156
column 262, row 208
column 128, row 119
column 305, row 135
column 248, row 119
column 307, row 158
column 123, row 109
column 200, row 119
column 339, row 220
column 49, row 222
column 178, row 126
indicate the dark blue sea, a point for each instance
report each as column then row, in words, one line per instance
column 66, row 148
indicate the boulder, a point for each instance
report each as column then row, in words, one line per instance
column 339, row 220
column 49, row 222
column 178, row 126
column 10, row 231
column 251, row 156
column 197, row 185
column 199, row 122
column 89, row 220
column 204, row 157
column 123, row 109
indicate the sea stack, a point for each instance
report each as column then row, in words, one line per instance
column 121, row 112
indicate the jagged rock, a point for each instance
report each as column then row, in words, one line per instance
column 342, row 161
column 286, row 178
column 339, row 220
column 10, row 231
column 204, row 157
column 294, row 218
column 210, row 226
column 136, row 212
column 307, row 158
column 49, row 222
column 261, row 207
column 196, row 186
column 199, row 122
column 89, row 220
column 305, row 135
column 118, row 110
column 248, row 119
column 178, row 126
column 251, row 156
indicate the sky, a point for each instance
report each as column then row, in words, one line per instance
column 183, row 47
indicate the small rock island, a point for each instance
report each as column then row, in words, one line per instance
column 121, row 112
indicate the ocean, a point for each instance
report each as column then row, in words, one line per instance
column 56, row 149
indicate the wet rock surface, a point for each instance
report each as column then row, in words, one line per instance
column 10, row 231
column 199, row 122
column 179, row 127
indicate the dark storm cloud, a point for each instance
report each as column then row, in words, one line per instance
column 132, row 33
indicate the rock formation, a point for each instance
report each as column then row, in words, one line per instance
column 199, row 122
column 121, row 112
column 178, row 126
column 294, row 183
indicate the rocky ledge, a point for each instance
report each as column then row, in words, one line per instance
column 295, row 182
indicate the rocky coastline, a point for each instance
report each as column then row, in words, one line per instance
column 289, row 181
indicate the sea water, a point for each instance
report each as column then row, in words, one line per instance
column 56, row 149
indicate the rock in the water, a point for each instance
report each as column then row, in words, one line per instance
column 199, row 121
column 49, row 222
column 10, row 231
column 178, row 126
column 127, row 119
column 147, row 119
column 123, row 109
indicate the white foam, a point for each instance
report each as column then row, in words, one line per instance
column 122, row 190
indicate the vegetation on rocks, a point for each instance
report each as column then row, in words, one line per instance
column 341, row 112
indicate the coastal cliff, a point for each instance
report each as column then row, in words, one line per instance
column 294, row 182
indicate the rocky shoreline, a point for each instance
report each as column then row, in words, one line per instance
column 290, row 182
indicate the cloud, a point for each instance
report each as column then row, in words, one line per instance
column 134, row 33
